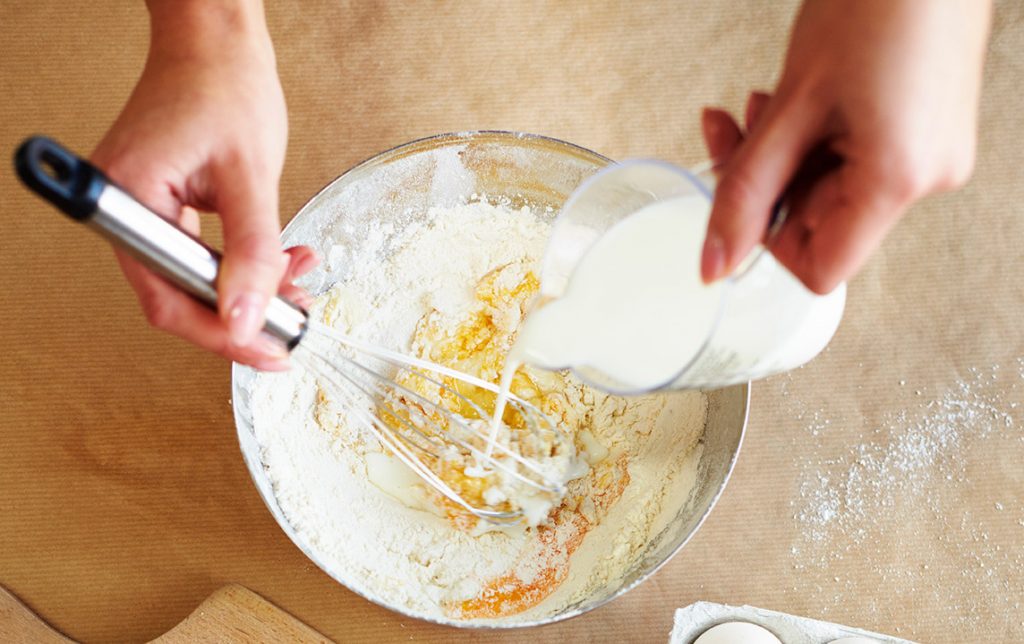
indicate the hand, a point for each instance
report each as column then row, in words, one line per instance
column 877, row 107
column 206, row 129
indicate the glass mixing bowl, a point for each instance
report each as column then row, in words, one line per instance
column 442, row 171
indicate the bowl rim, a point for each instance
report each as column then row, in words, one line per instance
column 397, row 151
column 254, row 462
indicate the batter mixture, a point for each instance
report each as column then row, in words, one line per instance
column 453, row 286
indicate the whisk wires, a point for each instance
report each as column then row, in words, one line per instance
column 388, row 397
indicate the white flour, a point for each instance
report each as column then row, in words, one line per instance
column 909, row 480
column 643, row 448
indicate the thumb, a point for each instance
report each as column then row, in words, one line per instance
column 751, row 182
column 253, row 261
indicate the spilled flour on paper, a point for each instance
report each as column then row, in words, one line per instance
column 391, row 541
column 916, row 468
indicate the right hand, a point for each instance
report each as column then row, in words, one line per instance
column 206, row 129
column 886, row 93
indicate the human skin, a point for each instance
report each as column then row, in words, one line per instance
column 205, row 129
column 876, row 108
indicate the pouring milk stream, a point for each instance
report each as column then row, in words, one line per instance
column 623, row 305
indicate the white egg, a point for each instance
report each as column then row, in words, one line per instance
column 855, row 640
column 737, row 633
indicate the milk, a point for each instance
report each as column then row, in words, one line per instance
column 635, row 307
column 634, row 316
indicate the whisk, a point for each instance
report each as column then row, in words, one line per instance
column 405, row 402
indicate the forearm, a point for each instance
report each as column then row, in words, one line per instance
column 900, row 29
column 209, row 29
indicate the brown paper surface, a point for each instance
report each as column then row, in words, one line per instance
column 881, row 486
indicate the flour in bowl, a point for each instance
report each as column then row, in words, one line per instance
column 451, row 286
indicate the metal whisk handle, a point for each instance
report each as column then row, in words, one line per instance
column 84, row 193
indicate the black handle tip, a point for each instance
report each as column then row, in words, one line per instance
column 60, row 177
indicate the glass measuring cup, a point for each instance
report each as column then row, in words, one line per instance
column 763, row 320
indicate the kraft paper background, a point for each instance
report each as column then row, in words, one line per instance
column 124, row 500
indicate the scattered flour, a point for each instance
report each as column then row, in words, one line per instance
column 916, row 468
column 405, row 554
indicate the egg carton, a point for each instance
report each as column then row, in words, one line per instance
column 695, row 619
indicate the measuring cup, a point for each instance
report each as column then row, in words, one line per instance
column 765, row 321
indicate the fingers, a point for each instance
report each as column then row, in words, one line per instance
column 832, row 230
column 756, row 103
column 189, row 221
column 302, row 259
column 296, row 296
column 721, row 135
column 164, row 305
column 169, row 309
column 253, row 262
column 838, row 211
column 752, row 180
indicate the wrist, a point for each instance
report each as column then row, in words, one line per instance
column 208, row 29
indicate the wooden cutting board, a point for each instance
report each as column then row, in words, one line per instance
column 232, row 614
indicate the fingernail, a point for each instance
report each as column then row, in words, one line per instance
column 246, row 318
column 271, row 348
column 712, row 262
